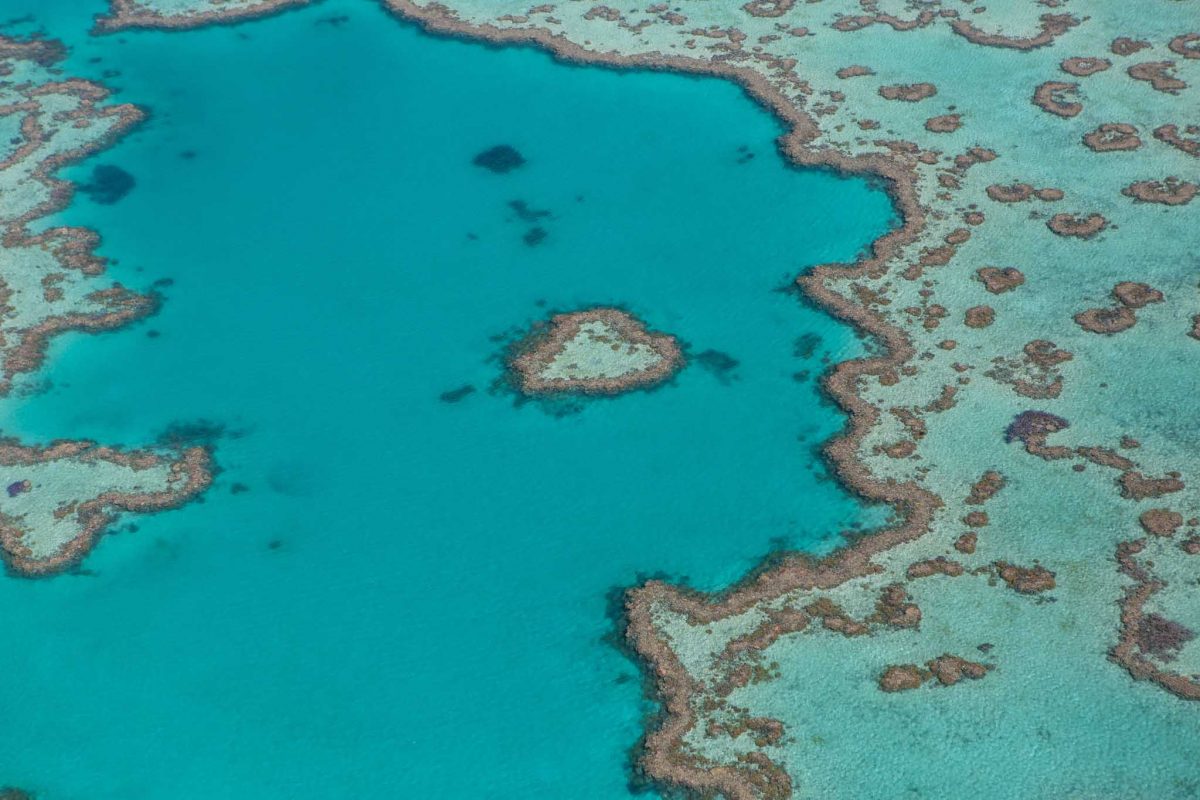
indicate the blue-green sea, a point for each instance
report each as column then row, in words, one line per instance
column 386, row 594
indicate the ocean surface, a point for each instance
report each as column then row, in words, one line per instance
column 387, row 594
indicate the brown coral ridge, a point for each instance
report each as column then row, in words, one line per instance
column 779, row 622
column 1045, row 354
column 1130, row 295
column 1113, row 136
column 1170, row 135
column 946, row 123
column 1053, row 98
column 1051, row 27
column 950, row 669
column 849, row 24
column 531, row 355
column 1025, row 580
column 894, row 608
column 1020, row 192
column 1160, row 521
column 902, row 678
column 1035, row 373
column 908, row 92
column 999, row 280
column 1186, row 45
column 987, row 487
column 1162, row 637
column 979, row 316
column 1124, row 46
column 1136, row 486
column 44, row 52
column 1136, row 295
column 854, row 71
column 1082, row 67
column 768, row 8
column 1170, row 191
column 933, row 566
column 1077, row 226
column 1106, row 320
column 191, row 473
column 834, row 618
column 1142, row 634
column 764, row 730
column 128, row 14
column 1033, row 428
column 947, row 669
column 1159, row 74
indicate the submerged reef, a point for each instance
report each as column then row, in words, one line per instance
column 500, row 159
column 108, row 184
column 597, row 351
column 59, row 498
column 974, row 118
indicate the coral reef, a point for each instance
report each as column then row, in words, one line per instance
column 183, row 14
column 935, row 133
column 597, row 351
column 60, row 498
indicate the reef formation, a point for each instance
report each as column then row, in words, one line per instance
column 61, row 497
column 183, row 14
column 1042, row 158
column 596, row 351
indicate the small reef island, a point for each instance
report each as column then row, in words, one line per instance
column 597, row 351
column 1027, row 409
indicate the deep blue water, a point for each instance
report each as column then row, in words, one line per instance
column 385, row 594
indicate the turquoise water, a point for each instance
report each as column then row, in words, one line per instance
column 385, row 594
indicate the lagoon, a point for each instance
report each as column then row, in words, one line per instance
column 387, row 593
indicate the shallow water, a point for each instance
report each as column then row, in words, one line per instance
column 387, row 594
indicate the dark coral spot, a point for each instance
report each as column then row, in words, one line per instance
column 499, row 159
column 455, row 395
column 184, row 434
column 526, row 213
column 1162, row 637
column 719, row 364
column 1033, row 425
column 108, row 184
column 806, row 345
